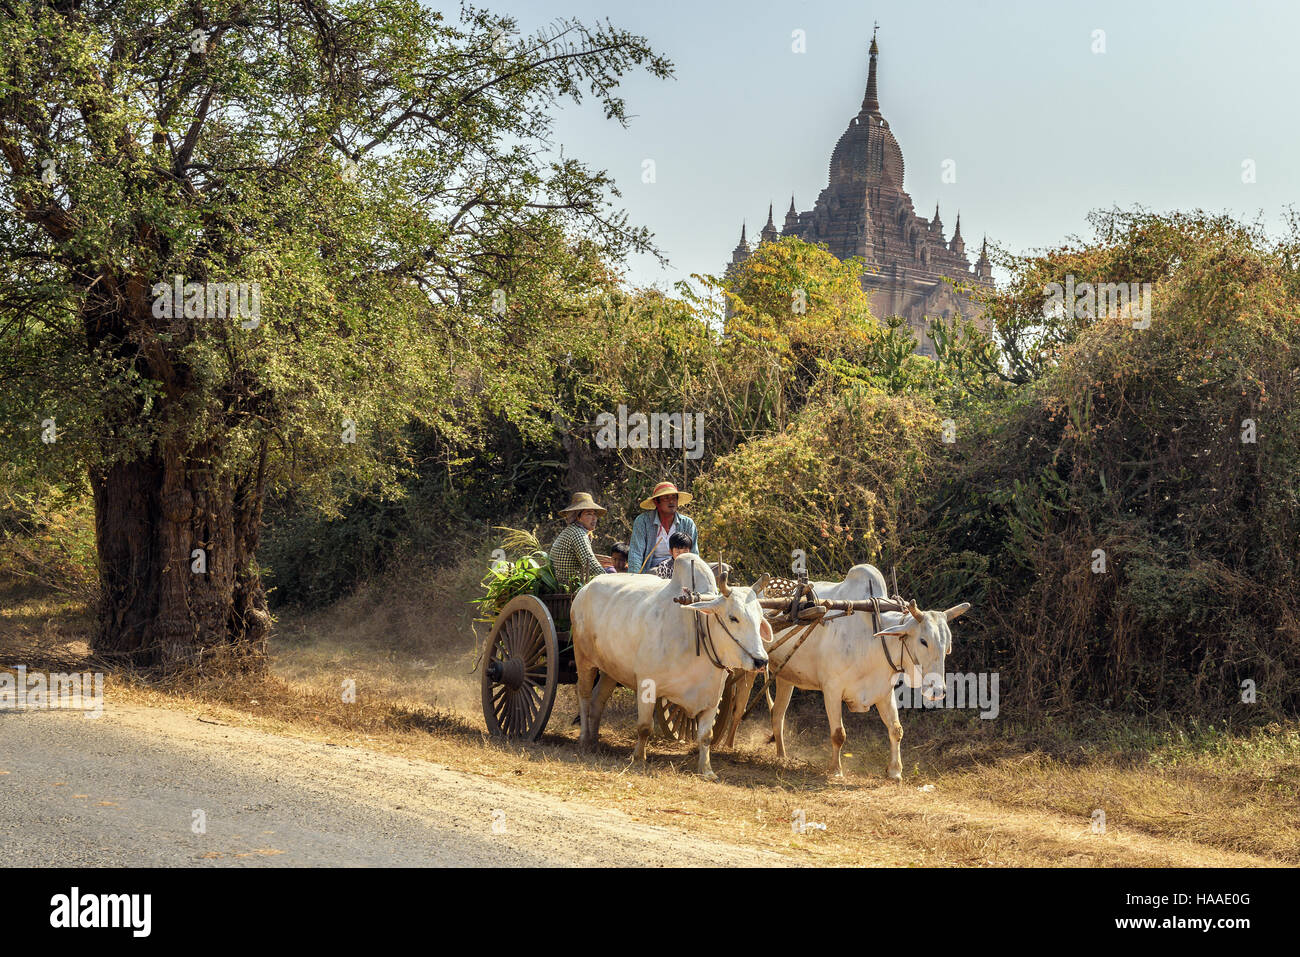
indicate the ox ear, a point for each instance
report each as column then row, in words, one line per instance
column 956, row 611
column 893, row 631
column 708, row 603
column 762, row 582
column 765, row 632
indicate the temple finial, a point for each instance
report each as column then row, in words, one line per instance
column 871, row 103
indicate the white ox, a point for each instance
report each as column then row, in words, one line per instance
column 629, row 628
column 848, row 663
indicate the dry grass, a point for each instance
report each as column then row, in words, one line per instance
column 1001, row 794
column 42, row 628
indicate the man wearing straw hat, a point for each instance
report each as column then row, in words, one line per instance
column 571, row 554
column 656, row 525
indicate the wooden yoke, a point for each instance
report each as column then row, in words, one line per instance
column 796, row 611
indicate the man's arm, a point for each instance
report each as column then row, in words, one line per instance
column 636, row 547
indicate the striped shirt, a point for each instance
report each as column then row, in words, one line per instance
column 572, row 557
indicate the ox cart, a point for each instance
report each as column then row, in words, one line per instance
column 528, row 655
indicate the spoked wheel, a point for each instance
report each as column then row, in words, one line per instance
column 722, row 724
column 673, row 721
column 520, row 670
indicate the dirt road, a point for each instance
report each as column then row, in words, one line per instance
column 126, row 789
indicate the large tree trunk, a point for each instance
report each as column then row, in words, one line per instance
column 581, row 473
column 179, row 587
column 175, row 538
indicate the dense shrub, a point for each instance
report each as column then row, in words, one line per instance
column 47, row 538
column 838, row 485
column 1133, row 444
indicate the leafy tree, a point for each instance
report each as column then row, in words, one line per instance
column 1129, row 246
column 371, row 171
column 803, row 305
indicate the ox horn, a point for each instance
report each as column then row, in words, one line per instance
column 915, row 612
column 762, row 582
column 723, row 588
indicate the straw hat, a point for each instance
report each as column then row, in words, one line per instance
column 582, row 502
column 667, row 488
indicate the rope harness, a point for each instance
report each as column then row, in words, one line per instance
column 703, row 639
column 803, row 631
column 799, row 613
column 902, row 640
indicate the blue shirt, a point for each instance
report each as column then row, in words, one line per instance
column 645, row 532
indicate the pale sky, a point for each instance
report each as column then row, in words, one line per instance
column 1041, row 128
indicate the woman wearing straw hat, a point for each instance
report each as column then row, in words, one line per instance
column 571, row 554
column 654, row 526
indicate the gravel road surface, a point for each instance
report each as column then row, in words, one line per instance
column 124, row 789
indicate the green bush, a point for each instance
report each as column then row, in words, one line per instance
column 1132, row 443
column 838, row 485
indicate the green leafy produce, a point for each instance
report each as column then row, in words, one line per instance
column 530, row 575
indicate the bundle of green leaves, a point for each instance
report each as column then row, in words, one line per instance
column 530, row 575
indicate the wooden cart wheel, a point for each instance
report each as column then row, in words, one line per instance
column 673, row 721
column 722, row 723
column 520, row 669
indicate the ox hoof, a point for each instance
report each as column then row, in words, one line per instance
column 895, row 776
column 709, row 776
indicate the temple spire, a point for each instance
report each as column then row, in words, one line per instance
column 791, row 220
column 870, row 103
column 769, row 233
column 983, row 268
column 742, row 250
